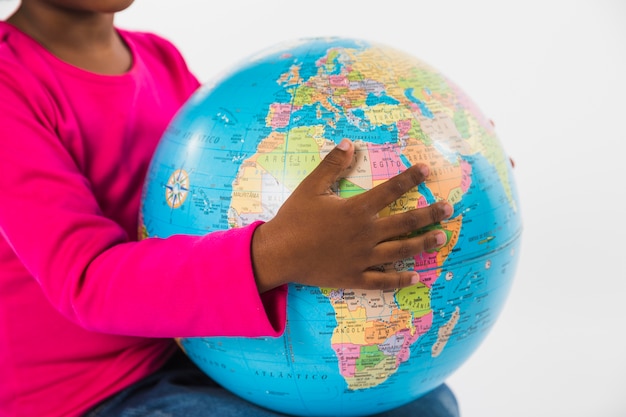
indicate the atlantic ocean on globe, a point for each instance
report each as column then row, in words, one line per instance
column 242, row 144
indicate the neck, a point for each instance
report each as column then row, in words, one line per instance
column 87, row 40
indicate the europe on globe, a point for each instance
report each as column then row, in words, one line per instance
column 240, row 146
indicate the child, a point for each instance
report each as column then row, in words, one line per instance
column 87, row 312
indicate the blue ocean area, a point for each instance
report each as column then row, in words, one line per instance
column 363, row 131
column 423, row 107
column 423, row 189
column 472, row 281
column 373, row 99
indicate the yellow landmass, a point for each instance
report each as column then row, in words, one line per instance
column 386, row 114
column 288, row 157
column 350, row 324
column 291, row 157
column 408, row 201
column 374, row 375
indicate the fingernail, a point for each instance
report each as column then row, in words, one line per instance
column 424, row 170
column 447, row 210
column 344, row 145
column 415, row 279
column 441, row 238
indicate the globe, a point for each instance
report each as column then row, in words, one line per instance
column 241, row 144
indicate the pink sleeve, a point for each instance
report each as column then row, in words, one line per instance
column 178, row 286
column 87, row 265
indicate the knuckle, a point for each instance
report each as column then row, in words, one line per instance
column 382, row 284
column 404, row 251
column 411, row 221
column 444, row 210
column 377, row 280
column 402, row 281
column 436, row 213
column 430, row 242
column 405, row 181
column 399, row 281
column 359, row 208
column 364, row 207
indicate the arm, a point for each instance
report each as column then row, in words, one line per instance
column 97, row 275
column 74, row 234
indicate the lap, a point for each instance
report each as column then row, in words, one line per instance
column 181, row 389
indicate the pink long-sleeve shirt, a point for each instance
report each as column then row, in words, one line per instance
column 86, row 309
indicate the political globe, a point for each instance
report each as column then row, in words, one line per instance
column 238, row 148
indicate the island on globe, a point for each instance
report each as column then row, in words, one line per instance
column 241, row 145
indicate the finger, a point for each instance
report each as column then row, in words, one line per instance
column 386, row 193
column 396, row 250
column 328, row 171
column 403, row 223
column 377, row 280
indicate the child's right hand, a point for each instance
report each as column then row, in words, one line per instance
column 320, row 239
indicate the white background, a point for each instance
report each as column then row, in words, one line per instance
column 551, row 76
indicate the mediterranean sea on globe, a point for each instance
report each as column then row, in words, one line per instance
column 241, row 145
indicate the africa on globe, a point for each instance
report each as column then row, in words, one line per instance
column 242, row 144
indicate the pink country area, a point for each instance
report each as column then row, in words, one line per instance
column 422, row 202
column 404, row 126
column 423, row 324
column 427, row 260
column 280, row 113
column 347, row 353
column 338, row 81
column 384, row 162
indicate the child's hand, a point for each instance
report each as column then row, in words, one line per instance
column 320, row 239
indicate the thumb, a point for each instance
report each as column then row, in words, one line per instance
column 331, row 167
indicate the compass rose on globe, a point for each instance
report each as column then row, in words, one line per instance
column 177, row 188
